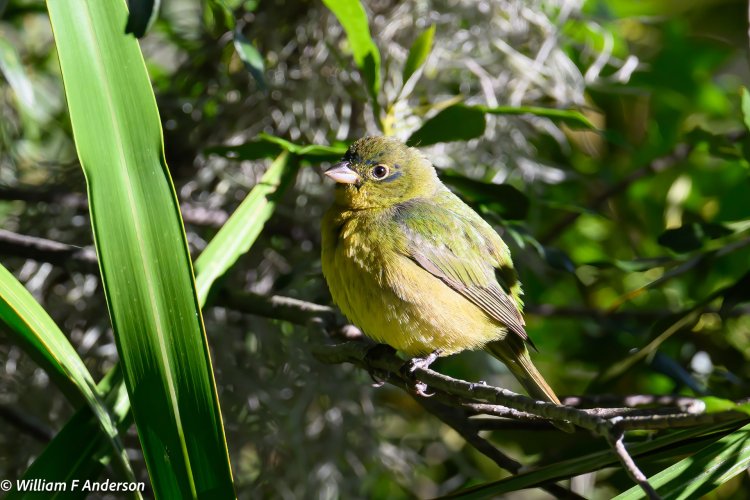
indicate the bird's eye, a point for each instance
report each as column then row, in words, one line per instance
column 379, row 171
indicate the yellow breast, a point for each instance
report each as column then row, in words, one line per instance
column 390, row 297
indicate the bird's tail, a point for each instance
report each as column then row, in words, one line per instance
column 513, row 353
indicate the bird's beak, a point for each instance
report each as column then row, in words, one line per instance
column 341, row 173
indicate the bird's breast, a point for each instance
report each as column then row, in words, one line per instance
column 390, row 297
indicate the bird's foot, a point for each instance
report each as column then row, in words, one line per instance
column 416, row 363
column 413, row 365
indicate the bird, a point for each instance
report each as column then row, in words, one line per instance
column 414, row 267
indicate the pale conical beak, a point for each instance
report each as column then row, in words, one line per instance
column 341, row 173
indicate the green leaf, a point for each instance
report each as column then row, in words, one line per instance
column 502, row 199
column 244, row 226
column 714, row 405
column 143, row 254
column 269, row 146
column 569, row 117
column 81, row 450
column 142, row 15
column 455, row 123
column 581, row 465
column 692, row 236
column 418, row 52
column 251, row 58
column 746, row 107
column 352, row 16
column 703, row 472
column 30, row 325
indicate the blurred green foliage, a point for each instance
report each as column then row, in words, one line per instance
column 631, row 237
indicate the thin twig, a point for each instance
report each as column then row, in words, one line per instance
column 61, row 254
column 631, row 468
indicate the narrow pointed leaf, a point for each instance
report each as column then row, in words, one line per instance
column 244, row 226
column 569, row 117
column 703, row 472
column 582, row 465
column 81, row 450
column 418, row 52
column 142, row 251
column 352, row 16
column 30, row 325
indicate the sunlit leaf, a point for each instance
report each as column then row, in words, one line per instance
column 244, row 226
column 703, row 472
column 81, row 450
column 581, row 465
column 143, row 255
column 30, row 325
column 418, row 52
column 746, row 107
column 352, row 16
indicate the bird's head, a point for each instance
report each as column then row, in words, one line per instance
column 379, row 172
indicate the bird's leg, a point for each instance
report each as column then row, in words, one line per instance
column 416, row 363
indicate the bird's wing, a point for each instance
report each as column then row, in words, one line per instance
column 454, row 244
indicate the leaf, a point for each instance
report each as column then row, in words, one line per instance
column 251, row 58
column 30, row 325
column 244, row 226
column 418, row 52
column 691, row 237
column 746, row 107
column 142, row 15
column 142, row 249
column 703, row 472
column 715, row 405
column 455, row 123
column 268, row 146
column 569, row 117
column 588, row 463
column 352, row 16
column 81, row 450
column 503, row 199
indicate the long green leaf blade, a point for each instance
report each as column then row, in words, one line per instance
column 352, row 16
column 581, row 465
column 142, row 251
column 80, row 450
column 30, row 325
column 244, row 226
column 701, row 473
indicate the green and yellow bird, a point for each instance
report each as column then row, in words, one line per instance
column 416, row 268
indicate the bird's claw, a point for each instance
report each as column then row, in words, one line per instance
column 411, row 366
column 416, row 363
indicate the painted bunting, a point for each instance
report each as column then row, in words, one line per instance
column 416, row 268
